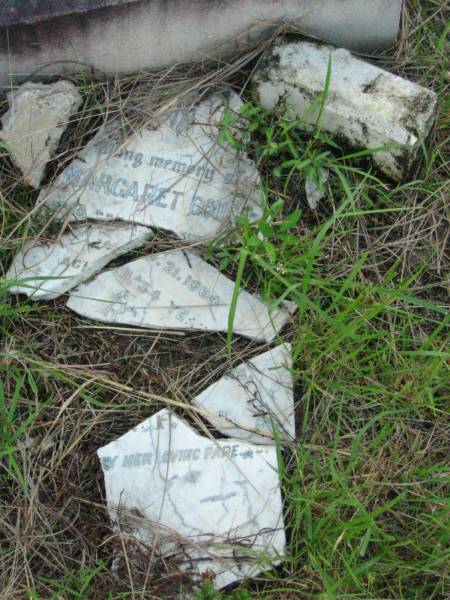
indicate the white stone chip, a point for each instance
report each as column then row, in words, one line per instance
column 47, row 270
column 174, row 290
column 213, row 505
column 32, row 127
column 253, row 400
column 366, row 106
column 176, row 177
column 315, row 187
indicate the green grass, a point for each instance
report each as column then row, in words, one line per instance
column 365, row 500
column 366, row 485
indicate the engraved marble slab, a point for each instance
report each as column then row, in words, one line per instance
column 176, row 177
column 252, row 400
column 215, row 505
column 33, row 125
column 47, row 270
column 174, row 290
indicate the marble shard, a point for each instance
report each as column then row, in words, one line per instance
column 174, row 290
column 45, row 270
column 32, row 127
column 253, row 400
column 176, row 177
column 213, row 505
column 365, row 107
column 315, row 187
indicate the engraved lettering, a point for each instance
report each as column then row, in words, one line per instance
column 176, row 195
column 103, row 183
column 119, row 182
column 132, row 190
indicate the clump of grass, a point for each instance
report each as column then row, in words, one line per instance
column 365, row 499
column 366, row 484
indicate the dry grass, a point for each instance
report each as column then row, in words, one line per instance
column 365, row 487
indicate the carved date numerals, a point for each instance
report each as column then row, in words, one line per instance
column 193, row 285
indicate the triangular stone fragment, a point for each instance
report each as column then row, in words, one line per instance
column 176, row 177
column 32, row 128
column 46, row 270
column 175, row 290
column 213, row 505
column 254, row 400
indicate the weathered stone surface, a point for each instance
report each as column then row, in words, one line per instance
column 215, row 505
column 366, row 107
column 176, row 177
column 35, row 122
column 253, row 400
column 152, row 34
column 72, row 259
column 15, row 12
column 174, row 290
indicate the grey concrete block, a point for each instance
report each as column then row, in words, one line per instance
column 147, row 34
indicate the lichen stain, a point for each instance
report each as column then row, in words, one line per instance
column 51, row 35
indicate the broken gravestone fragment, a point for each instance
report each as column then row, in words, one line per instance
column 177, row 177
column 365, row 107
column 212, row 505
column 32, row 127
column 174, row 290
column 253, row 400
column 46, row 270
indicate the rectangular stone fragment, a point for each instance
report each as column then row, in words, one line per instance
column 45, row 270
column 254, row 401
column 366, row 107
column 212, row 505
column 176, row 176
column 32, row 127
column 175, row 290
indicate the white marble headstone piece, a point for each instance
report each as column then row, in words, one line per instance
column 253, row 400
column 366, row 107
column 47, row 270
column 176, row 177
column 175, row 290
column 215, row 505
column 32, row 127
